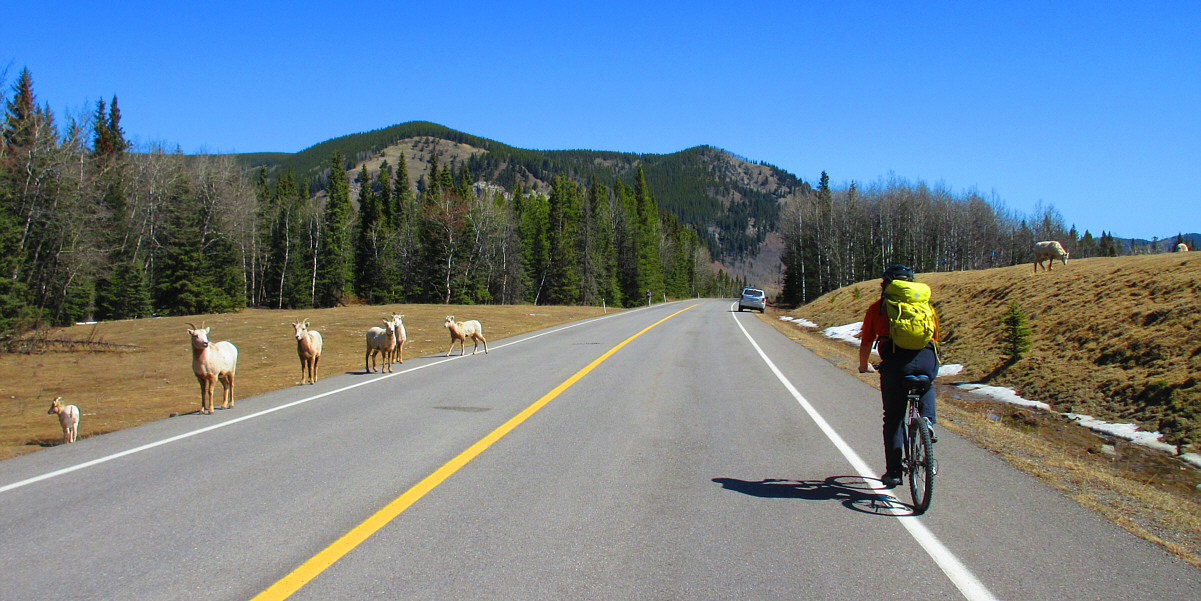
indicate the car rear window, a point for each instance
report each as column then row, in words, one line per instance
column 752, row 292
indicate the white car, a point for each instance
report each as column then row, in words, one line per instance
column 752, row 298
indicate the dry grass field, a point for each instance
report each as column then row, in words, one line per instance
column 142, row 369
column 1105, row 332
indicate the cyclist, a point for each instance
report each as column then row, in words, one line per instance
column 895, row 364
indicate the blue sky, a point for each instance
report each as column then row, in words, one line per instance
column 1093, row 108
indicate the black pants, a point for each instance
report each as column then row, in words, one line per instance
column 895, row 365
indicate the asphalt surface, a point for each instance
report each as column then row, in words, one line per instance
column 708, row 457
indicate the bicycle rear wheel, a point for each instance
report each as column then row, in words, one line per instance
column 921, row 466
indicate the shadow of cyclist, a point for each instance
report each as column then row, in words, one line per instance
column 852, row 491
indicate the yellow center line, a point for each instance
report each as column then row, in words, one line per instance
column 310, row 569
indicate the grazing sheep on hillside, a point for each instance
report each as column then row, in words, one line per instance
column 308, row 348
column 1049, row 251
column 398, row 351
column 460, row 331
column 380, row 340
column 68, row 416
column 212, row 362
column 1182, row 248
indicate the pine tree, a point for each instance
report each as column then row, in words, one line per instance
column 650, row 263
column 333, row 277
column 563, row 280
column 535, row 246
column 368, row 242
column 125, row 295
column 1015, row 334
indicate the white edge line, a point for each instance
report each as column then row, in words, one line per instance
column 178, row 437
column 960, row 576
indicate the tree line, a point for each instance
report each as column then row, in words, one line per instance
column 836, row 237
column 89, row 228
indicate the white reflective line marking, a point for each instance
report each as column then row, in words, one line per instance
column 960, row 576
column 159, row 443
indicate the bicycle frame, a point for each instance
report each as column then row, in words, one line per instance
column 917, row 454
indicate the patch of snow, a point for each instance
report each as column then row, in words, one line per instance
column 1005, row 395
column 1124, row 431
column 949, row 369
column 848, row 333
column 800, row 322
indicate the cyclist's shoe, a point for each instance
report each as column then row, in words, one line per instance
column 933, row 436
column 891, row 479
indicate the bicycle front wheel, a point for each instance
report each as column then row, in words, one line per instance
column 922, row 466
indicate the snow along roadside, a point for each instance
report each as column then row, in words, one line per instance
column 1130, row 432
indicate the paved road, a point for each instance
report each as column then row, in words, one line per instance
column 684, row 451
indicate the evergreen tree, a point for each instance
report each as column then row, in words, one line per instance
column 406, row 249
column 125, row 295
column 535, row 245
column 650, row 265
column 369, row 240
column 1015, row 342
column 180, row 284
column 563, row 231
column 334, row 266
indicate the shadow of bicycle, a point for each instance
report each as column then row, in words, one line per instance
column 853, row 492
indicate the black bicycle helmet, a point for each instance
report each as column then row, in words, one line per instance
column 896, row 271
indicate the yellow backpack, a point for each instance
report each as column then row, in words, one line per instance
column 910, row 316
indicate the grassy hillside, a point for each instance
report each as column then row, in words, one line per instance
column 1117, row 338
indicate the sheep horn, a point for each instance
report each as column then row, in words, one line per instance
column 192, row 324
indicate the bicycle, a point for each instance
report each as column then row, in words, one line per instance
column 917, row 448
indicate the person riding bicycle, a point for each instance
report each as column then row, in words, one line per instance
column 895, row 364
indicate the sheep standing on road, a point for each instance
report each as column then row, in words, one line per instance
column 68, row 416
column 212, row 362
column 460, row 331
column 1049, row 251
column 308, row 347
column 380, row 340
column 398, row 350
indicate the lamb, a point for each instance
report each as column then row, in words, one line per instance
column 1182, row 248
column 460, row 331
column 212, row 362
column 68, row 416
column 308, row 348
column 1049, row 251
column 380, row 340
column 398, row 350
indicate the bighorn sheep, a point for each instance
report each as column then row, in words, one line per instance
column 308, row 348
column 380, row 340
column 460, row 331
column 1049, row 251
column 212, row 362
column 398, row 350
column 68, row 416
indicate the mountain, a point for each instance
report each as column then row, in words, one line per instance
column 733, row 202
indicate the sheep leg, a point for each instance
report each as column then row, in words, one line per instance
column 227, row 394
column 206, row 395
column 313, row 368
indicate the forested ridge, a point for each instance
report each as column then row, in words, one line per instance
column 417, row 212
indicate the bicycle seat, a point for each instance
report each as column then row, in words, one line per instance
column 917, row 382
